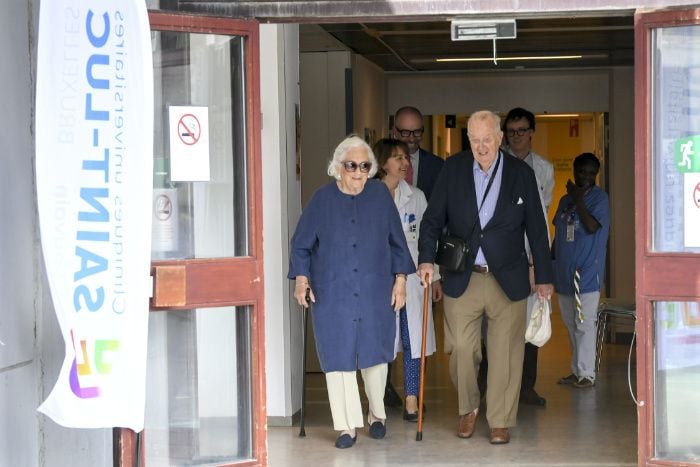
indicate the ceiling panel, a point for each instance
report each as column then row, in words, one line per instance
column 414, row 46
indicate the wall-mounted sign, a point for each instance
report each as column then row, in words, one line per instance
column 189, row 143
column 687, row 154
column 165, row 233
column 573, row 128
column 563, row 164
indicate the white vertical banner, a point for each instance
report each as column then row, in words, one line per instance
column 94, row 171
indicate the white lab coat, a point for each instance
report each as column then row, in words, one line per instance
column 411, row 203
column 544, row 174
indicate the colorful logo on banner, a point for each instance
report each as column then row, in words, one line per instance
column 86, row 368
column 94, row 170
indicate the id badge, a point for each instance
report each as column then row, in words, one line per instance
column 412, row 234
column 570, row 232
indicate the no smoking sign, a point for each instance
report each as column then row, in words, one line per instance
column 189, row 143
column 188, row 129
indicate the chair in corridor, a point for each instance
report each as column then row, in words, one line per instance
column 610, row 307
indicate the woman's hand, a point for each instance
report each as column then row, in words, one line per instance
column 300, row 287
column 398, row 293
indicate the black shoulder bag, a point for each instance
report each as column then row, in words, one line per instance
column 452, row 250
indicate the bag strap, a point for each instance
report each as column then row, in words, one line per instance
column 488, row 187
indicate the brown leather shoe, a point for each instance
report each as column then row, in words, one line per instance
column 499, row 436
column 466, row 424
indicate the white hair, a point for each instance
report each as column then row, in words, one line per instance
column 485, row 115
column 351, row 142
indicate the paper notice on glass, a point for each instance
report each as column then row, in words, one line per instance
column 189, row 143
column 165, row 233
column 691, row 210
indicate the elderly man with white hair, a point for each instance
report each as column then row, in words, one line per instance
column 490, row 200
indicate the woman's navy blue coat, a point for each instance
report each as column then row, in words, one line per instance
column 351, row 247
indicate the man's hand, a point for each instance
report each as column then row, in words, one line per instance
column 437, row 291
column 575, row 191
column 544, row 290
column 425, row 273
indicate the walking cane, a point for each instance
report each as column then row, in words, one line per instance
column 304, row 315
column 426, row 293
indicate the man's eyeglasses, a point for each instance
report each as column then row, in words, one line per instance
column 407, row 133
column 519, row 132
column 351, row 166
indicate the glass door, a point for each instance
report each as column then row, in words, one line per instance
column 667, row 173
column 205, row 386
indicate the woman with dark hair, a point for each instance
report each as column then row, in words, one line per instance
column 350, row 255
column 392, row 161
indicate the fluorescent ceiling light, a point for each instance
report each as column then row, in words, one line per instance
column 513, row 59
column 557, row 115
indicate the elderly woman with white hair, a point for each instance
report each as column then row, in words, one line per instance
column 350, row 251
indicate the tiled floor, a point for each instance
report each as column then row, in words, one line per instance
column 578, row 427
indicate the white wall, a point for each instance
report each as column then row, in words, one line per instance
column 537, row 91
column 279, row 91
column 369, row 98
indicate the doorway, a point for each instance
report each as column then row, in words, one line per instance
column 561, row 94
column 617, row 89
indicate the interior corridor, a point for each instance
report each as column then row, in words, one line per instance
column 582, row 427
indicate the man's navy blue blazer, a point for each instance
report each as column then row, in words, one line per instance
column 429, row 166
column 518, row 210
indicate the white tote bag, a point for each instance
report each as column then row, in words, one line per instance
column 539, row 328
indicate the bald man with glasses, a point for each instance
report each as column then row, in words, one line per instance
column 425, row 166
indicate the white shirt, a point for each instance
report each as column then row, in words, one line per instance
column 544, row 174
column 415, row 160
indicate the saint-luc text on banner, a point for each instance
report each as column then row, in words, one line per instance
column 94, row 176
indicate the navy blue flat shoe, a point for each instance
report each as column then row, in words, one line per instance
column 377, row 430
column 345, row 441
column 410, row 417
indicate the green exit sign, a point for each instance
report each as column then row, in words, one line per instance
column 687, row 154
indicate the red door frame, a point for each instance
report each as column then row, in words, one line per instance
column 659, row 276
column 198, row 283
